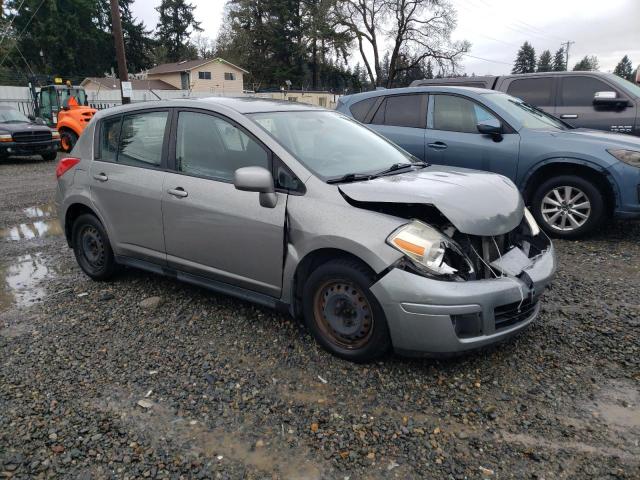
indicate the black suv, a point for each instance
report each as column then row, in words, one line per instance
column 20, row 136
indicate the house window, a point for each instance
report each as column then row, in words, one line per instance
column 229, row 76
column 292, row 99
column 204, row 75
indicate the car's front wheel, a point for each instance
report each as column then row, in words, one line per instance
column 342, row 313
column 92, row 248
column 569, row 206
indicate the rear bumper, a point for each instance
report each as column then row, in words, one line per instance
column 425, row 316
column 37, row 148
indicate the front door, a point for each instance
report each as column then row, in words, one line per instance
column 453, row 137
column 575, row 105
column 127, row 182
column 210, row 228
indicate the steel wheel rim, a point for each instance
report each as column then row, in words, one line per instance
column 343, row 314
column 566, row 208
column 92, row 246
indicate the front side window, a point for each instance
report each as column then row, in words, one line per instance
column 229, row 76
column 579, row 91
column 208, row 146
column 535, row 91
column 141, row 139
column 330, row 144
column 458, row 114
column 204, row 75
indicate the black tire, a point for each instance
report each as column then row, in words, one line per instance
column 48, row 157
column 92, row 248
column 68, row 140
column 365, row 337
column 596, row 215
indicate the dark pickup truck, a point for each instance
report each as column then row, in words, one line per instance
column 22, row 136
column 600, row 101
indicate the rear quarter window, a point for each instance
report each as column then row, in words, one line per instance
column 360, row 109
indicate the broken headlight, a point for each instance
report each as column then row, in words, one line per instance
column 430, row 251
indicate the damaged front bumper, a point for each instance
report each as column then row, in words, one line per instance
column 428, row 316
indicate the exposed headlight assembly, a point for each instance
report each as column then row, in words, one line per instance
column 430, row 251
column 630, row 157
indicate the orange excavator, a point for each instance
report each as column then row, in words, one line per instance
column 65, row 108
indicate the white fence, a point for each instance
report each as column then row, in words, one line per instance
column 20, row 97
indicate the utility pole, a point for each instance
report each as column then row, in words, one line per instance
column 566, row 46
column 116, row 24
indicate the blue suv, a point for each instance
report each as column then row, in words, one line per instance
column 574, row 179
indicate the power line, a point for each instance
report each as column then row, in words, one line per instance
column 23, row 30
column 485, row 59
column 6, row 32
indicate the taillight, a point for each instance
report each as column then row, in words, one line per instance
column 65, row 164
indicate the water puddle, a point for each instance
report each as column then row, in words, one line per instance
column 35, row 229
column 21, row 279
column 48, row 210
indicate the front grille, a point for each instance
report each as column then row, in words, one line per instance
column 32, row 136
column 514, row 313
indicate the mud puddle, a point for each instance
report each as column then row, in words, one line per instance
column 31, row 230
column 21, row 280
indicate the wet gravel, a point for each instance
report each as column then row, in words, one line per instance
column 145, row 377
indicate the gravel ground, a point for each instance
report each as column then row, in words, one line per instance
column 145, row 377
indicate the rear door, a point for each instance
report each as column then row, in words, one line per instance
column 575, row 105
column 210, row 228
column 402, row 119
column 453, row 137
column 126, row 178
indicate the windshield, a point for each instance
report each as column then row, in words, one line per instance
column 527, row 115
column 632, row 88
column 12, row 116
column 78, row 93
column 330, row 144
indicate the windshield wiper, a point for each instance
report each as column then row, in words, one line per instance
column 399, row 166
column 350, row 177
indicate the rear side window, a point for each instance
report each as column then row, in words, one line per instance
column 135, row 140
column 208, row 146
column 458, row 114
column 535, row 91
column 578, row 91
column 402, row 111
column 360, row 109
column 141, row 139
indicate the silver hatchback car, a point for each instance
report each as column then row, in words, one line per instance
column 306, row 210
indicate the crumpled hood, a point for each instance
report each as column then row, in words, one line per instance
column 476, row 203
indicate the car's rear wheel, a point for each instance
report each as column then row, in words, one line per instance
column 47, row 157
column 68, row 140
column 569, row 206
column 92, row 248
column 342, row 313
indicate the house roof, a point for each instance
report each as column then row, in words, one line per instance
column 187, row 65
column 108, row 83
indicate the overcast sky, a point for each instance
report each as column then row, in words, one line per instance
column 496, row 28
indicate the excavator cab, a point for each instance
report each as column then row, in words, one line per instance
column 65, row 107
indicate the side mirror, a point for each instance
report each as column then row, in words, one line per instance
column 491, row 126
column 257, row 179
column 608, row 99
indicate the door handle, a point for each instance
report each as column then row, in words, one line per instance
column 569, row 115
column 101, row 177
column 177, row 192
column 437, row 145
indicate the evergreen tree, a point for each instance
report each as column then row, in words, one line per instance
column 176, row 24
column 588, row 63
column 525, row 60
column 559, row 63
column 545, row 63
column 624, row 69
